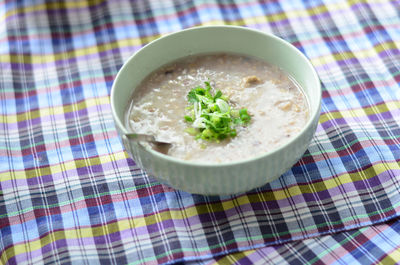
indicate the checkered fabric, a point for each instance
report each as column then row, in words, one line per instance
column 69, row 193
column 377, row 244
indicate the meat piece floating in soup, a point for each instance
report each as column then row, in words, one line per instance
column 217, row 108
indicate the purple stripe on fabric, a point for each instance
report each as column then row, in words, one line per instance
column 92, row 243
column 34, row 254
column 359, row 119
column 59, row 176
column 85, row 57
column 67, row 116
column 283, row 207
column 379, row 179
column 352, row 61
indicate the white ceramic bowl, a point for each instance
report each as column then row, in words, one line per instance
column 224, row 178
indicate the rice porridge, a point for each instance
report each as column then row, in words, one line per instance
column 275, row 106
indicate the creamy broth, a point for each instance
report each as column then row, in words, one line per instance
column 276, row 104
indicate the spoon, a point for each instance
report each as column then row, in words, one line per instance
column 159, row 146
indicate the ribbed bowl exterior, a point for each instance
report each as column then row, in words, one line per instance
column 224, row 179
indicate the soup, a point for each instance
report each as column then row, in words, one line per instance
column 276, row 106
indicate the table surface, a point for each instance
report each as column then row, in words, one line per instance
column 69, row 193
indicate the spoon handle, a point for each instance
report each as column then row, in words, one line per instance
column 140, row 137
column 145, row 137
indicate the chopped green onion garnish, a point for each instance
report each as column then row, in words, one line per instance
column 211, row 116
column 191, row 131
column 188, row 118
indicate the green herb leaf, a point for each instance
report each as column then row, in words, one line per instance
column 188, row 118
column 191, row 131
column 192, row 97
column 223, row 106
column 244, row 116
column 208, row 86
column 218, row 94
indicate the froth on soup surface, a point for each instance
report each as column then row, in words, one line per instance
column 276, row 104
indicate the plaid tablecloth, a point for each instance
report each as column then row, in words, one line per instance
column 70, row 194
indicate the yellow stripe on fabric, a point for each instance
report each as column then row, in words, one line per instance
column 391, row 258
column 193, row 211
column 88, row 232
column 43, row 112
column 234, row 258
column 230, row 204
column 336, row 181
column 360, row 112
column 48, row 58
column 88, row 4
column 84, row 232
column 278, row 194
column 52, row 6
column 371, row 53
column 320, row 9
column 31, row 173
column 321, row 60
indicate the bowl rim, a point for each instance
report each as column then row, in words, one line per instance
column 175, row 160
